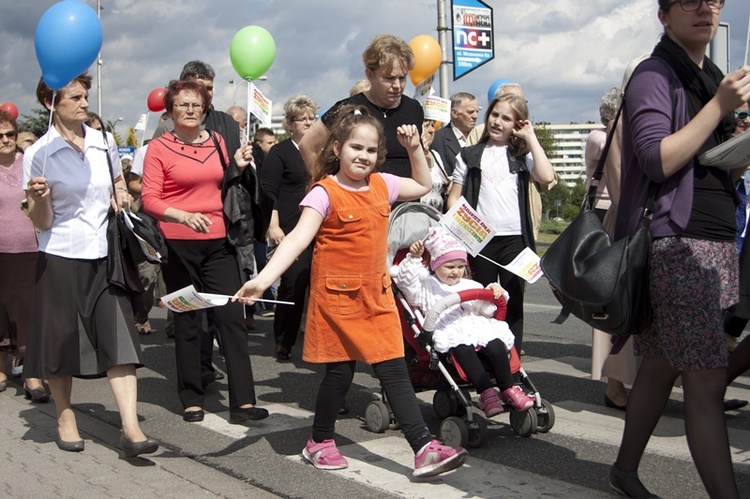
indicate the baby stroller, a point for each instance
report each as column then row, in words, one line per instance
column 428, row 370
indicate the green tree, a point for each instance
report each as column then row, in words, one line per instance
column 35, row 123
column 546, row 139
column 555, row 199
column 132, row 140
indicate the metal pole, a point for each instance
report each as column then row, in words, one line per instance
column 99, row 66
column 444, row 44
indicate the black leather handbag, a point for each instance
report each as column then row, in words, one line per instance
column 604, row 283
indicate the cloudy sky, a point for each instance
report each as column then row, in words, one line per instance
column 565, row 53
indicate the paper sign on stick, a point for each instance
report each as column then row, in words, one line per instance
column 259, row 105
column 188, row 299
column 466, row 226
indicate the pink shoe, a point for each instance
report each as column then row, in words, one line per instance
column 435, row 458
column 490, row 403
column 516, row 397
column 324, row 455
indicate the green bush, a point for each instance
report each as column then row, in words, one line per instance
column 552, row 227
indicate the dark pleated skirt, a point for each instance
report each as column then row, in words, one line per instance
column 80, row 326
column 16, row 291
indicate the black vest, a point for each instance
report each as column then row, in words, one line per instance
column 473, row 157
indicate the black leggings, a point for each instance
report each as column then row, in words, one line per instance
column 393, row 377
column 495, row 354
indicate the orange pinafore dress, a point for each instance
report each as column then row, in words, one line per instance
column 351, row 313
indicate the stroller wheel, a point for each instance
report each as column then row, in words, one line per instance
column 545, row 417
column 477, row 432
column 444, row 403
column 524, row 423
column 377, row 416
column 453, row 432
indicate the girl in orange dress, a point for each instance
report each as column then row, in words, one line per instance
column 352, row 315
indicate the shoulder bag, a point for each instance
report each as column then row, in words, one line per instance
column 122, row 246
column 604, row 283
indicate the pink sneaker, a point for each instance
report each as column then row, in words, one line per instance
column 516, row 397
column 435, row 458
column 324, row 455
column 490, row 403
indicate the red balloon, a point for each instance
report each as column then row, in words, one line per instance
column 11, row 109
column 156, row 99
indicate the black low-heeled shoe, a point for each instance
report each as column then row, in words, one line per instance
column 239, row 415
column 76, row 446
column 135, row 449
column 634, row 489
column 193, row 416
column 37, row 395
column 610, row 403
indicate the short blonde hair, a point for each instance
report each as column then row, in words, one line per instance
column 384, row 50
column 299, row 104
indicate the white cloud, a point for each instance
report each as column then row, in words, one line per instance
column 565, row 53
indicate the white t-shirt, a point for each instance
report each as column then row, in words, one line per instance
column 79, row 190
column 498, row 193
column 136, row 168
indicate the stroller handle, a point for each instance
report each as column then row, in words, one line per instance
column 460, row 297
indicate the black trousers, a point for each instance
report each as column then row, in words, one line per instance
column 503, row 249
column 494, row 355
column 293, row 287
column 211, row 267
column 393, row 377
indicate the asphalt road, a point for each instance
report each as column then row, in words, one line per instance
column 572, row 460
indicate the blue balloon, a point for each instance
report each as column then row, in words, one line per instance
column 68, row 39
column 495, row 86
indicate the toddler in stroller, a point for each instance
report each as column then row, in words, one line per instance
column 466, row 331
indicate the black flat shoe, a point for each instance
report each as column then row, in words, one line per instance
column 343, row 409
column 610, row 403
column 134, row 449
column 283, row 356
column 76, row 446
column 734, row 404
column 37, row 395
column 627, row 483
column 239, row 415
column 193, row 416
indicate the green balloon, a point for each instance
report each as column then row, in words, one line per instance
column 252, row 52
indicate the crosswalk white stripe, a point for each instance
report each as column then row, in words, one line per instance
column 387, row 464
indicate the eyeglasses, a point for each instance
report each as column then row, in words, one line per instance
column 740, row 115
column 188, row 105
column 691, row 5
column 306, row 119
column 9, row 135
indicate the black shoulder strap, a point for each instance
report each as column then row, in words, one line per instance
column 109, row 163
column 599, row 172
column 218, row 149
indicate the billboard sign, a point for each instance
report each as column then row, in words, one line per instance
column 473, row 40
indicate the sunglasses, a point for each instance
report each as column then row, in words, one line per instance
column 9, row 135
column 742, row 115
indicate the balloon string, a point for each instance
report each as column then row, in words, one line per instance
column 49, row 129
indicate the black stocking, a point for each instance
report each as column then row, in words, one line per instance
column 646, row 402
column 706, row 430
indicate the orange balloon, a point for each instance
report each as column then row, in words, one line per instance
column 427, row 57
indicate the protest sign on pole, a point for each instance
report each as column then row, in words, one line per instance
column 469, row 229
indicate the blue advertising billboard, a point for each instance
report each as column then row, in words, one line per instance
column 472, row 36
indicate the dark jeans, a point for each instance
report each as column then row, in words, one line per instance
column 393, row 377
column 211, row 267
column 503, row 249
